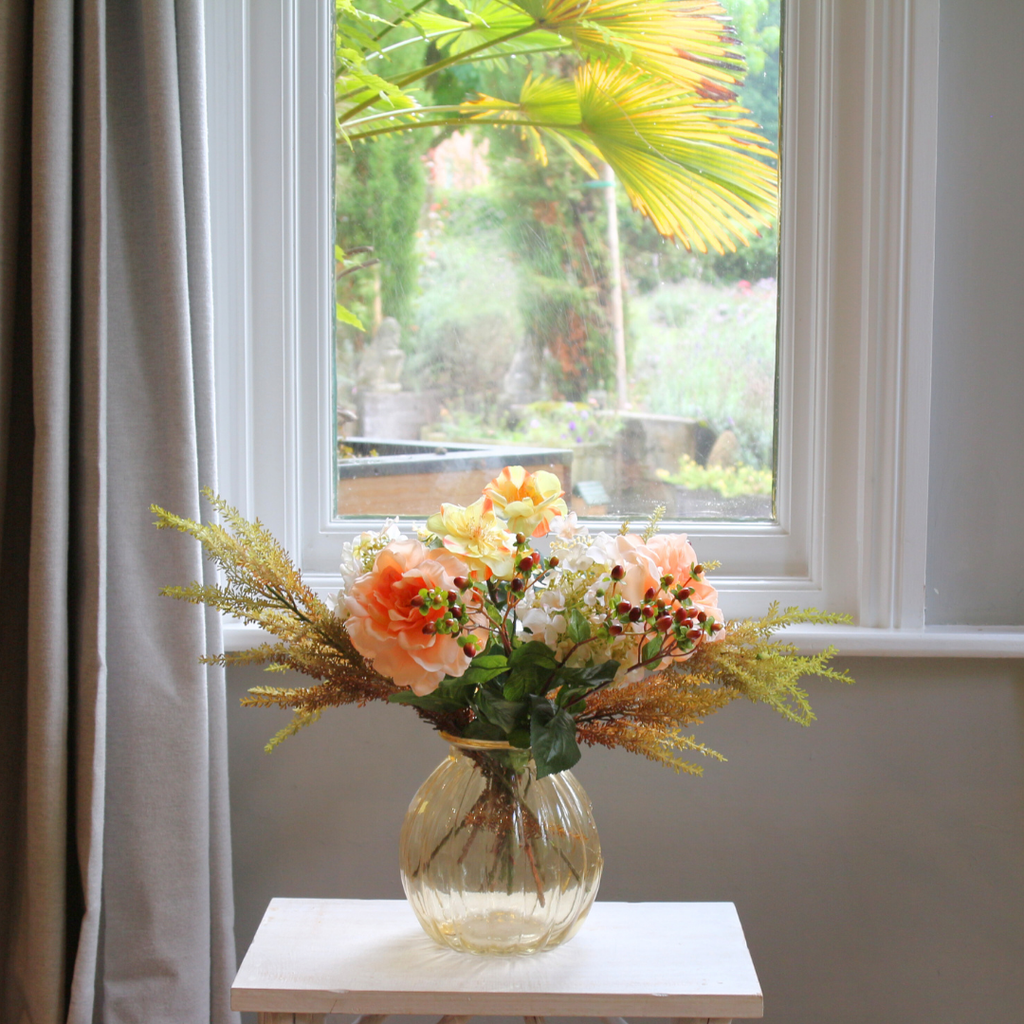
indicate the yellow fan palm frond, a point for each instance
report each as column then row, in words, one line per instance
column 697, row 169
column 688, row 42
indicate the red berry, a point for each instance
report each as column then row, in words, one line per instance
column 517, row 585
column 469, row 650
column 664, row 624
column 695, row 634
column 461, row 582
column 526, row 564
column 651, row 592
column 702, row 616
column 623, row 607
column 615, row 628
column 535, row 557
column 553, row 561
column 617, row 572
column 634, row 614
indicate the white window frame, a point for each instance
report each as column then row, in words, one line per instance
column 858, row 209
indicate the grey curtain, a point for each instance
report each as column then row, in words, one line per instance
column 115, row 891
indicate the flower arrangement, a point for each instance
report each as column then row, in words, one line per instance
column 614, row 640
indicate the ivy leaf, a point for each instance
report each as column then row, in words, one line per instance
column 552, row 738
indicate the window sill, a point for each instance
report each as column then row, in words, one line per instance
column 851, row 641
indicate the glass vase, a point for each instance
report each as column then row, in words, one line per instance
column 495, row 860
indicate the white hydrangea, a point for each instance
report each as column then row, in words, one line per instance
column 543, row 615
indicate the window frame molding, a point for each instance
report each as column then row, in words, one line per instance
column 858, row 203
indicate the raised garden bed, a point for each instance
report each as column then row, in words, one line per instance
column 412, row 478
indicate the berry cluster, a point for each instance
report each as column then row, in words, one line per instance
column 667, row 614
column 447, row 608
column 450, row 617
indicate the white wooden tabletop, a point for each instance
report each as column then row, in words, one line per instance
column 372, row 957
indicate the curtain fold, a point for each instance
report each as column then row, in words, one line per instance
column 115, row 889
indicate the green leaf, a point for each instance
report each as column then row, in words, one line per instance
column 346, row 316
column 493, row 707
column 578, row 629
column 516, row 688
column 477, row 676
column 652, row 647
column 460, row 689
column 429, row 702
column 552, row 738
column 520, row 738
column 569, row 695
column 532, row 654
column 478, row 729
column 490, row 661
column 594, row 675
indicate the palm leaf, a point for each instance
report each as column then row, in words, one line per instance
column 688, row 42
column 696, row 169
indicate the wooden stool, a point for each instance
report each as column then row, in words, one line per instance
column 687, row 961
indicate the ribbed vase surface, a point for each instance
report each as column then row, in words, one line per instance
column 494, row 860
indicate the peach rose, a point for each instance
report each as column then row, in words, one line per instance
column 387, row 628
column 675, row 556
column 641, row 567
column 528, row 502
column 476, row 536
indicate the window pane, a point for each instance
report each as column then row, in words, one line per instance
column 517, row 309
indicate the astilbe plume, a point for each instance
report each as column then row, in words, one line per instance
column 261, row 586
column 645, row 716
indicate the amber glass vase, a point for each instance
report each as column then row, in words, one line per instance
column 495, row 860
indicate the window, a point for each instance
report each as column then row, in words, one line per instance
column 517, row 306
column 858, row 207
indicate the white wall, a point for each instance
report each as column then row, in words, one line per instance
column 876, row 858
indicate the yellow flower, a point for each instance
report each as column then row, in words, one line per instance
column 477, row 536
column 528, row 502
